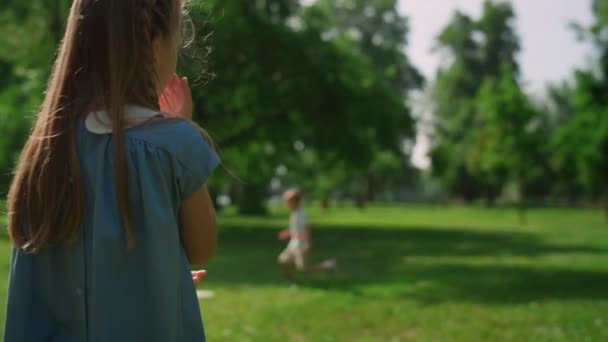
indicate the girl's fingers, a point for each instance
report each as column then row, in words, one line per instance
column 162, row 102
column 201, row 273
column 165, row 104
column 174, row 79
column 173, row 85
column 197, row 276
column 183, row 86
column 176, row 97
column 169, row 98
column 174, row 90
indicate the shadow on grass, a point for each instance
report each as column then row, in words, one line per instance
column 381, row 256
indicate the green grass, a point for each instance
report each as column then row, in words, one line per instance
column 413, row 274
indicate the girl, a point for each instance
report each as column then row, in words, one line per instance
column 107, row 208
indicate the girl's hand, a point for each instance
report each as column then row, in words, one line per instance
column 176, row 99
column 197, row 276
column 284, row 234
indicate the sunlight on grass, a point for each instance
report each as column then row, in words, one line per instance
column 412, row 273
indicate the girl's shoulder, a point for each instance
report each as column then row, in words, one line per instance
column 166, row 133
column 191, row 157
column 148, row 127
column 175, row 136
column 178, row 146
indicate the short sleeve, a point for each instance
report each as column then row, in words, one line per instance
column 195, row 158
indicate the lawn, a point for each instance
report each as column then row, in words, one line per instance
column 413, row 274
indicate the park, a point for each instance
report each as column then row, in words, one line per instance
column 465, row 203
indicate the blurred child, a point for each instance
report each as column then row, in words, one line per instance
column 108, row 207
column 299, row 245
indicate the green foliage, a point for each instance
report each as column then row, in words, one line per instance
column 280, row 80
column 481, row 111
column 582, row 142
column 377, row 30
column 277, row 80
column 507, row 138
column 30, row 33
column 332, row 77
column 500, row 42
column 490, row 137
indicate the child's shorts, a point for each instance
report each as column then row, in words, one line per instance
column 295, row 255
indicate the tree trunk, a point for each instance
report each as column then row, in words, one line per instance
column 371, row 187
column 325, row 203
column 360, row 202
column 606, row 204
column 251, row 199
column 468, row 197
column 521, row 205
column 605, row 198
column 490, row 198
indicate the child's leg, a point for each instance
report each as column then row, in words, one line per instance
column 303, row 266
column 287, row 271
column 324, row 266
column 285, row 261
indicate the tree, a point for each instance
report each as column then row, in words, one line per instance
column 278, row 83
column 457, row 84
column 378, row 32
column 583, row 140
column 476, row 51
column 376, row 29
column 506, row 139
column 24, row 65
column 558, row 179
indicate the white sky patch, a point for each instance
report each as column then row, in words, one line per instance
column 550, row 51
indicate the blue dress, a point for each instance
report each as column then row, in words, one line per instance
column 96, row 290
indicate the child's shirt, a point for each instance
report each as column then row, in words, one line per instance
column 95, row 289
column 297, row 228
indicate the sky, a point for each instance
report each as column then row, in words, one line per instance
column 550, row 50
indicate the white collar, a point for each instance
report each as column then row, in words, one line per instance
column 100, row 122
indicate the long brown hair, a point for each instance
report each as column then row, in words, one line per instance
column 105, row 61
